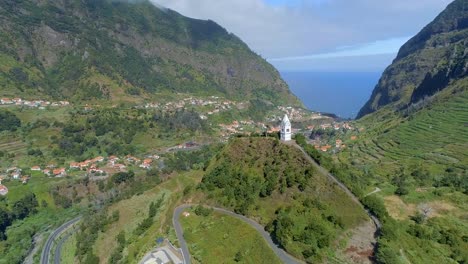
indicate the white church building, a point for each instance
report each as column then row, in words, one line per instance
column 286, row 130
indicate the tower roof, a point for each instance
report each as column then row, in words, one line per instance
column 286, row 121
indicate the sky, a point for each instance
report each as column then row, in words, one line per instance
column 318, row 35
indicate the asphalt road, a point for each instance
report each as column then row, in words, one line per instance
column 285, row 257
column 45, row 256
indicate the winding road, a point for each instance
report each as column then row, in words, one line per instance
column 282, row 255
column 45, row 256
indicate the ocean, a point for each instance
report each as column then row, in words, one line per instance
column 339, row 93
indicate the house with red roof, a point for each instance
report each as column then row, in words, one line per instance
column 74, row 165
column 6, row 101
column 146, row 164
column 3, row 190
column 61, row 172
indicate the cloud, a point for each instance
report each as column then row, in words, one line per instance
column 380, row 47
column 297, row 28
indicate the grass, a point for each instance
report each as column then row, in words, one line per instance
column 68, row 250
column 220, row 237
column 39, row 184
column 132, row 211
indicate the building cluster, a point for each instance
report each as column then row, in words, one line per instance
column 14, row 173
column 241, row 127
column 97, row 166
column 298, row 114
column 335, row 126
column 104, row 166
column 212, row 105
column 32, row 103
column 185, row 146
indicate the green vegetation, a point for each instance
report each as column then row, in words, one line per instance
column 418, row 158
column 423, row 67
column 20, row 234
column 126, row 49
column 69, row 250
column 213, row 236
column 9, row 121
column 273, row 182
column 155, row 204
column 19, row 210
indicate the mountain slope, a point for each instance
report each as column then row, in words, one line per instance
column 427, row 63
column 412, row 145
column 103, row 49
column 274, row 183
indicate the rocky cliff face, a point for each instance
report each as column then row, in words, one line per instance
column 116, row 50
column 427, row 63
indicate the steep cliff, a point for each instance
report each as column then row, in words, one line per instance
column 121, row 51
column 427, row 63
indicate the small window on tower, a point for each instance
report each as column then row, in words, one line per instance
column 287, row 130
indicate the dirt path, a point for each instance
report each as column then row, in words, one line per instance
column 377, row 189
column 361, row 245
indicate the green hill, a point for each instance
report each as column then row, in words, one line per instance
column 274, row 183
column 122, row 51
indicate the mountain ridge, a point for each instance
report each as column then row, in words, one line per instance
column 426, row 64
column 117, row 50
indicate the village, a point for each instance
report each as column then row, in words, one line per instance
column 41, row 104
column 96, row 168
column 212, row 105
column 318, row 132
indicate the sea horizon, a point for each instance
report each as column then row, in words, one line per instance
column 339, row 93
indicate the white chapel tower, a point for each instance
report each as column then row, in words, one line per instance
column 286, row 129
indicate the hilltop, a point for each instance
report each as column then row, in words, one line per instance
column 429, row 62
column 103, row 50
column 275, row 184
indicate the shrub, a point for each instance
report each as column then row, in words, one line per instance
column 9, row 121
column 203, row 211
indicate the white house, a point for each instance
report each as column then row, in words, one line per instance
column 286, row 131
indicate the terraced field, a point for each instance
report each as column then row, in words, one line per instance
column 436, row 136
column 12, row 145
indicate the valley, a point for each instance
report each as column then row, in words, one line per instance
column 130, row 133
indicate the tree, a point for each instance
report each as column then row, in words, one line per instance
column 5, row 221
column 401, row 190
column 9, row 121
column 121, row 177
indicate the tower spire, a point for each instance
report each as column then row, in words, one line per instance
column 286, row 130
